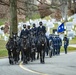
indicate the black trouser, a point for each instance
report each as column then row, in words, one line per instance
column 65, row 48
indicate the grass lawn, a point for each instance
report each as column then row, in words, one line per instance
column 3, row 51
column 73, row 41
column 70, row 49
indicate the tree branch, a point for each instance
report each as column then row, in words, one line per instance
column 4, row 3
column 50, row 5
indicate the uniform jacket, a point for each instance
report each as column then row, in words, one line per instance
column 24, row 33
column 41, row 29
column 66, row 41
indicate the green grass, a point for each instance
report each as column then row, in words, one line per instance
column 3, row 51
column 73, row 41
column 70, row 49
column 2, row 21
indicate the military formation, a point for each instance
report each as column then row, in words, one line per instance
column 33, row 44
column 56, row 44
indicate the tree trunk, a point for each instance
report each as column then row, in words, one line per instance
column 69, row 6
column 13, row 17
column 64, row 9
column 74, row 6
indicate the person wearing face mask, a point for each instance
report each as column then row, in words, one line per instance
column 41, row 28
column 24, row 31
column 34, row 29
column 29, row 30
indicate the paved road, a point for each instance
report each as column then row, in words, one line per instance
column 65, row 64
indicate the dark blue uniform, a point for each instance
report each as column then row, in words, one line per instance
column 29, row 32
column 34, row 30
column 51, row 44
column 66, row 43
column 41, row 29
column 24, row 32
column 59, row 45
column 54, row 45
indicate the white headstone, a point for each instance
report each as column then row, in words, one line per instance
column 69, row 26
column 44, row 21
column 50, row 24
column 69, row 18
column 71, row 34
column 74, row 21
column 74, row 16
column 27, row 23
column 59, row 23
column 61, row 36
column 53, row 20
column 5, row 38
column 1, row 32
column 36, row 22
column 31, row 21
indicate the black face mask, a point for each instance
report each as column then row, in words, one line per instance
column 40, row 23
column 24, row 27
column 33, row 25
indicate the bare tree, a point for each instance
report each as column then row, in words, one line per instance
column 74, row 5
column 28, row 7
column 13, row 14
column 69, row 4
column 64, row 8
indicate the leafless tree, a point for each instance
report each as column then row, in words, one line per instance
column 29, row 7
